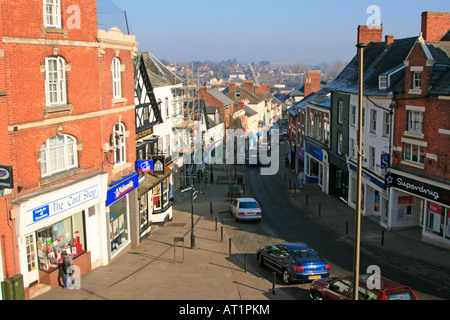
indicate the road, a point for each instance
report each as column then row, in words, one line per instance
column 284, row 221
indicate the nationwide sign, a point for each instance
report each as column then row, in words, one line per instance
column 121, row 188
column 419, row 188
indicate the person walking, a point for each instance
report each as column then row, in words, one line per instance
column 67, row 268
column 300, row 178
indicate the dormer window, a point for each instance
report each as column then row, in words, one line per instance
column 383, row 82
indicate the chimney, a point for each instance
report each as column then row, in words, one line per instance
column 388, row 40
column 435, row 25
column 203, row 90
column 368, row 34
column 312, row 83
column 231, row 86
column 248, row 84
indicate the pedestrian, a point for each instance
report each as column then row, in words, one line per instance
column 67, row 268
column 300, row 178
column 206, row 175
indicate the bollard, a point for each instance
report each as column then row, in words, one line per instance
column 229, row 246
column 346, row 228
column 306, row 199
column 382, row 237
column 245, row 264
column 290, row 184
column 210, row 208
column 320, row 208
column 216, row 222
column 221, row 234
column 273, row 282
column 285, row 177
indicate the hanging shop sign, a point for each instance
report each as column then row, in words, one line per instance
column 144, row 165
column 6, row 177
column 121, row 188
column 419, row 188
column 159, row 163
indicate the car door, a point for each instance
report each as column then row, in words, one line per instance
column 339, row 290
column 233, row 207
column 277, row 258
column 271, row 257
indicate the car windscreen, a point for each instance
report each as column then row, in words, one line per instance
column 248, row 205
column 403, row 295
column 304, row 254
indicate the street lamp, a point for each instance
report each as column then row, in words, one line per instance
column 193, row 196
column 356, row 254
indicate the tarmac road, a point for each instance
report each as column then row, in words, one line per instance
column 283, row 220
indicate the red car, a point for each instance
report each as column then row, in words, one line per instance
column 340, row 288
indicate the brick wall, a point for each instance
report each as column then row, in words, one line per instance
column 368, row 34
column 435, row 25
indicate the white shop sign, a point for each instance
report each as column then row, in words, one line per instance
column 60, row 205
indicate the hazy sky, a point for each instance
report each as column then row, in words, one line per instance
column 255, row 30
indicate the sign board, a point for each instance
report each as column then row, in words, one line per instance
column 419, row 188
column 6, row 177
column 121, row 188
column 159, row 163
column 144, row 165
column 384, row 161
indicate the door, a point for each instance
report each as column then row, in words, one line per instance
column 93, row 234
column 33, row 270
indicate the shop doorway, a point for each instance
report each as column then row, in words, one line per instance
column 33, row 270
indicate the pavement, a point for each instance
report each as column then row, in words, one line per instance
column 160, row 269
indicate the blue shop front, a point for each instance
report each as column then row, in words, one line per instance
column 120, row 200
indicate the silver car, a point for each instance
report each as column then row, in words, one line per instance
column 245, row 209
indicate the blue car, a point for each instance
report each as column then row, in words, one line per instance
column 295, row 262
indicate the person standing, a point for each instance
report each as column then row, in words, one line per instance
column 67, row 268
column 300, row 178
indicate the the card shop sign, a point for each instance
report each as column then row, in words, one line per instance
column 6, row 177
column 419, row 188
column 121, row 188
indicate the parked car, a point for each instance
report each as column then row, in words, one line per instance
column 294, row 262
column 245, row 209
column 340, row 288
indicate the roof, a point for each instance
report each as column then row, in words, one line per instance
column 220, row 96
column 244, row 95
column 158, row 73
column 440, row 52
column 378, row 60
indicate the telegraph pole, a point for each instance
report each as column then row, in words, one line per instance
column 356, row 254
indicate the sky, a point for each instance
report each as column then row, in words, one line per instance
column 282, row 31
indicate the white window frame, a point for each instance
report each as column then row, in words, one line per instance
column 372, row 158
column 413, row 124
column 412, row 153
column 117, row 78
column 52, row 14
column 339, row 143
column 386, row 124
column 65, row 151
column 417, row 79
column 340, row 111
column 55, row 81
column 353, row 116
column 373, row 120
column 119, row 144
column 383, row 82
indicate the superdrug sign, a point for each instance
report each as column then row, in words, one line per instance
column 418, row 188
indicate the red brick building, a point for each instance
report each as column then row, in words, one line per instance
column 67, row 130
column 420, row 172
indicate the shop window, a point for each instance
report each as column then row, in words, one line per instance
column 143, row 211
column 59, row 153
column 157, row 197
column 435, row 218
column 165, row 192
column 118, row 224
column 66, row 235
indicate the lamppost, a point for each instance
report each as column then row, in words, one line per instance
column 193, row 196
column 356, row 254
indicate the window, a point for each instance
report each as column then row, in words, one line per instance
column 363, row 118
column 119, row 143
column 339, row 143
column 166, row 105
column 58, row 154
column 387, row 124
column 414, row 153
column 353, row 118
column 353, row 146
column 340, row 111
column 415, row 119
column 417, row 79
column 382, row 82
column 117, row 82
column 55, row 81
column 372, row 158
column 52, row 14
column 373, row 121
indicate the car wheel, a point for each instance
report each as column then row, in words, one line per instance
column 317, row 296
column 286, row 277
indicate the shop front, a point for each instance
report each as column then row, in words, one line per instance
column 66, row 218
column 119, row 199
column 316, row 165
column 418, row 201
